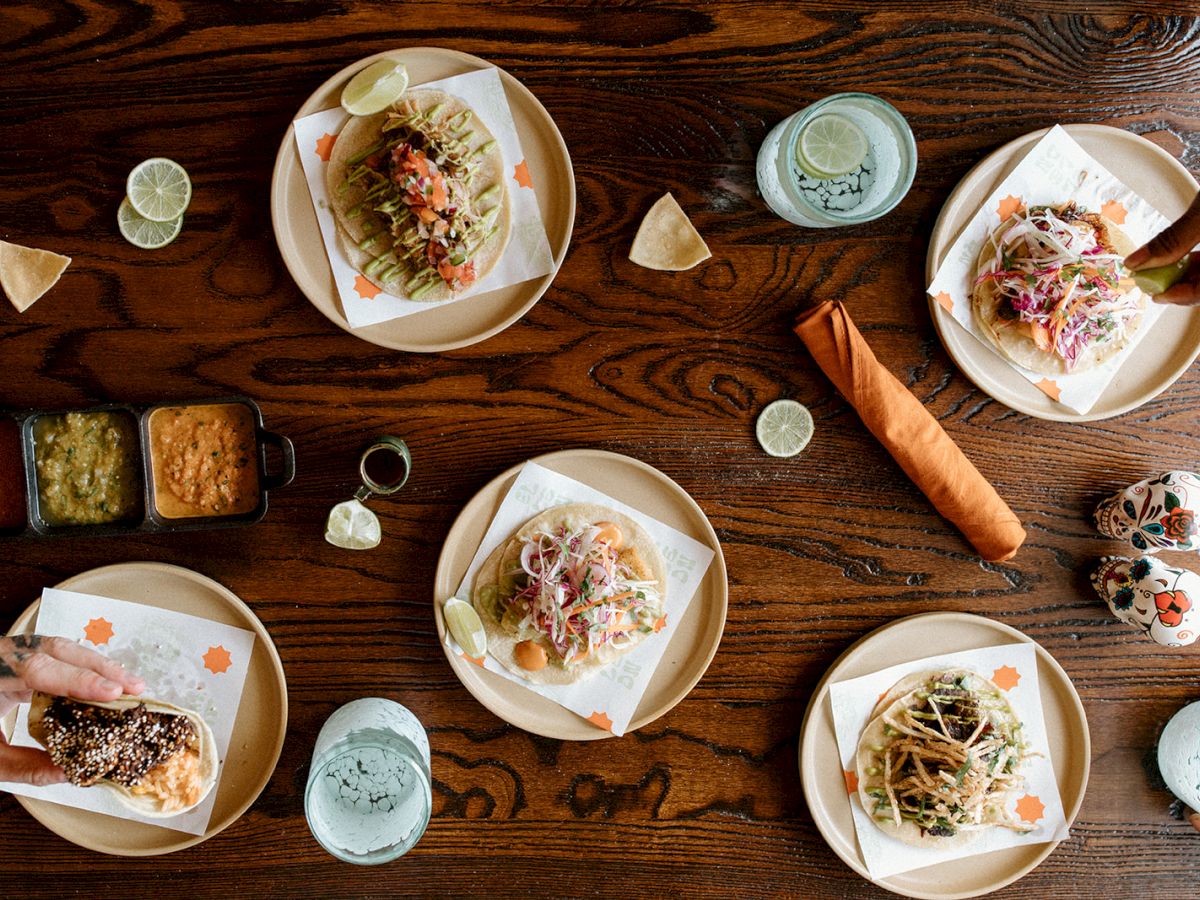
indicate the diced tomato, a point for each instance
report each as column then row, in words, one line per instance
column 425, row 214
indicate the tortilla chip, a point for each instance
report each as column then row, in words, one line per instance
column 26, row 273
column 667, row 241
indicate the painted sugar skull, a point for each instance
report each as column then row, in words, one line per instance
column 1160, row 513
column 1148, row 594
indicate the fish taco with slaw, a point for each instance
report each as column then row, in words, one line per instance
column 1051, row 293
column 576, row 587
column 419, row 195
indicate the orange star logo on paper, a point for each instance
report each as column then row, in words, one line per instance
column 1006, row 678
column 325, row 146
column 1030, row 808
column 364, row 288
column 944, row 301
column 478, row 660
column 217, row 660
column 660, row 624
column 851, row 781
column 1049, row 388
column 98, row 631
column 1115, row 210
column 521, row 173
column 601, row 720
column 1008, row 206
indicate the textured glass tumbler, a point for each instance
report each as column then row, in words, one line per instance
column 368, row 798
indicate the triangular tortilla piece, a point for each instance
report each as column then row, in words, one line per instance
column 667, row 240
column 26, row 273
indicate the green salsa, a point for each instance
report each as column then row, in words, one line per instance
column 87, row 468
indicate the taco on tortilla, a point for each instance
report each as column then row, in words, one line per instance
column 419, row 196
column 576, row 587
column 155, row 758
column 941, row 761
column 1051, row 293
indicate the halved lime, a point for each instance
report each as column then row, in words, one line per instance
column 831, row 145
column 784, row 428
column 159, row 189
column 352, row 526
column 1156, row 280
column 375, row 88
column 465, row 626
column 141, row 232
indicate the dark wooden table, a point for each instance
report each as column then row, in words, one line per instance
column 671, row 369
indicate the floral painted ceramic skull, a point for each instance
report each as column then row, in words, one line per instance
column 1156, row 514
column 1150, row 595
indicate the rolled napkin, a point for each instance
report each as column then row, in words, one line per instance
column 907, row 431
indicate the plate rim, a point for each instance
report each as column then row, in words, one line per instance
column 819, row 698
column 717, row 566
column 284, row 158
column 34, row 806
column 941, row 318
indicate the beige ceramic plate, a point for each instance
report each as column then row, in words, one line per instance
column 1163, row 355
column 455, row 324
column 902, row 641
column 693, row 643
column 257, row 737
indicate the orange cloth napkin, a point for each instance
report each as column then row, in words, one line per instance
column 906, row 429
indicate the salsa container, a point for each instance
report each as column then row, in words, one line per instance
column 148, row 519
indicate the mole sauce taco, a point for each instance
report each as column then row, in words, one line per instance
column 419, row 196
column 940, row 762
column 1050, row 291
column 576, row 587
column 155, row 758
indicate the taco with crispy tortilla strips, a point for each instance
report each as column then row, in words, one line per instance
column 1051, row 292
column 155, row 758
column 419, row 196
column 940, row 759
column 576, row 587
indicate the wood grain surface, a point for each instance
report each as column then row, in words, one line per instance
column 669, row 368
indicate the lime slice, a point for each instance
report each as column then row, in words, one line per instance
column 375, row 88
column 142, row 232
column 1155, row 281
column 784, row 428
column 352, row 526
column 465, row 627
column 159, row 189
column 831, row 145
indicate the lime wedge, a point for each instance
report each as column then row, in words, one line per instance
column 352, row 526
column 1156, row 280
column 159, row 189
column 465, row 627
column 375, row 88
column 831, row 145
column 784, row 428
column 142, row 232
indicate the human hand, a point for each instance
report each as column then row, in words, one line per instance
column 54, row 665
column 1171, row 245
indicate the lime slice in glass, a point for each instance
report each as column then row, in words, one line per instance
column 159, row 189
column 375, row 88
column 465, row 627
column 1155, row 281
column 784, row 428
column 142, row 232
column 352, row 526
column 831, row 145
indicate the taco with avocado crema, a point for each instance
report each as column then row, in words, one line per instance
column 155, row 758
column 576, row 587
column 940, row 759
column 419, row 196
column 1051, row 292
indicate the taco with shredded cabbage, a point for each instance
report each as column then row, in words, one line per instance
column 1051, row 292
column 155, row 758
column 941, row 761
column 576, row 587
column 419, row 195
